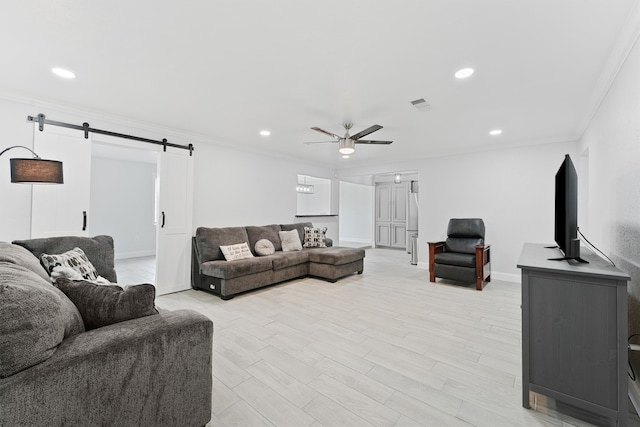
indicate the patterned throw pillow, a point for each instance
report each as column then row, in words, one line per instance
column 315, row 237
column 235, row 252
column 264, row 247
column 75, row 259
column 290, row 241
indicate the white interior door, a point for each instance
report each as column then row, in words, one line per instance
column 175, row 169
column 62, row 210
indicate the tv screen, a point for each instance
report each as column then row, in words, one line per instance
column 566, row 211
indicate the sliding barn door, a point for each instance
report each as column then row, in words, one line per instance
column 175, row 169
column 62, row 210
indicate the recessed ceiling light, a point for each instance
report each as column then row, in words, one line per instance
column 464, row 73
column 265, row 132
column 495, row 132
column 61, row 72
column 346, row 156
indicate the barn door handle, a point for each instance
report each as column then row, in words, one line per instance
column 84, row 220
column 162, row 226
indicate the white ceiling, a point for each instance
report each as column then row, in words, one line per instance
column 226, row 69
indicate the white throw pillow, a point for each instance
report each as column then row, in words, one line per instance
column 315, row 237
column 235, row 252
column 290, row 241
column 264, row 247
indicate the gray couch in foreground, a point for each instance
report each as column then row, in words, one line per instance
column 149, row 371
column 212, row 273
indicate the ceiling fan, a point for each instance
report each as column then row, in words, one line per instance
column 347, row 142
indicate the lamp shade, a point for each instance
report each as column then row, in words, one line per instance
column 346, row 146
column 36, row 171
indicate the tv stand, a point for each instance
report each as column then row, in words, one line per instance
column 574, row 332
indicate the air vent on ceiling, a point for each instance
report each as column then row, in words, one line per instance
column 421, row 105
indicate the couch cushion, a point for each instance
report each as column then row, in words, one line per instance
column 287, row 259
column 466, row 245
column 269, row 232
column 290, row 241
column 19, row 255
column 99, row 250
column 35, row 318
column 264, row 247
column 453, row 258
column 238, row 268
column 335, row 255
column 209, row 241
column 102, row 305
column 299, row 226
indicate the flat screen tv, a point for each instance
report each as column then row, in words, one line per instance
column 566, row 212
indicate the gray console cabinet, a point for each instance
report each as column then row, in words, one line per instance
column 574, row 331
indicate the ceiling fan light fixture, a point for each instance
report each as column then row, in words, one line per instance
column 347, row 146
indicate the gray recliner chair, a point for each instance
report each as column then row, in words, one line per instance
column 464, row 255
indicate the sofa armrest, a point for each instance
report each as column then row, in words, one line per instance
column 150, row 371
column 434, row 248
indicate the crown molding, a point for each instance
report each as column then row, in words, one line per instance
column 625, row 42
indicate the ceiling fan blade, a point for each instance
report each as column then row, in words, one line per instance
column 318, row 142
column 326, row 132
column 368, row 141
column 366, row 132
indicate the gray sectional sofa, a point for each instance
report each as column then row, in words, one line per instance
column 212, row 273
column 154, row 370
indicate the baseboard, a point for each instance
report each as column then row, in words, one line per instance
column 136, row 254
column 505, row 277
column 355, row 240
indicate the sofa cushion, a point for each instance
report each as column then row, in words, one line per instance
column 287, row 259
column 335, row 255
column 269, row 232
column 299, row 226
column 19, row 255
column 209, row 240
column 315, row 237
column 99, row 250
column 290, row 241
column 241, row 267
column 465, row 245
column 236, row 252
column 454, row 258
column 74, row 259
column 102, row 305
column 264, row 247
column 35, row 318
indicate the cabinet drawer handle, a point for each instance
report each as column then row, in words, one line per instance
column 84, row 220
column 162, row 226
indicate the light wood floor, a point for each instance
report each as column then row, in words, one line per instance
column 385, row 348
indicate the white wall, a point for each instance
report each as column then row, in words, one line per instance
column 236, row 188
column 612, row 141
column 356, row 212
column 122, row 205
column 512, row 190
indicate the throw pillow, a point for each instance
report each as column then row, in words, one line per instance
column 315, row 237
column 75, row 259
column 264, row 247
column 235, row 252
column 290, row 241
column 101, row 305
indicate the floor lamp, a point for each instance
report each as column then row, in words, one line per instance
column 34, row 170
